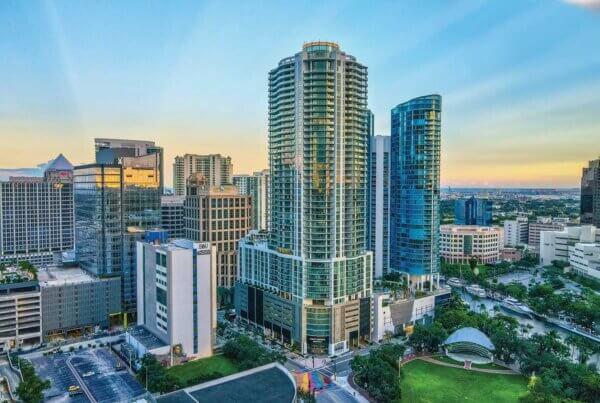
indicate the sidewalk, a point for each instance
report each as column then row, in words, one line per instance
column 342, row 381
column 488, row 370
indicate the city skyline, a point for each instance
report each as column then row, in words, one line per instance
column 515, row 77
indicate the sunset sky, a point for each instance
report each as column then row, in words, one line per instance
column 520, row 80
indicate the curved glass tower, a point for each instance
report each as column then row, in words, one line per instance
column 415, row 189
column 313, row 264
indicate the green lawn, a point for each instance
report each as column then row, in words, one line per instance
column 423, row 382
column 451, row 361
column 193, row 369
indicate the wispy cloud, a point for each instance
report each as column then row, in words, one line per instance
column 589, row 4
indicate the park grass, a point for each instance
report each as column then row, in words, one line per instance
column 218, row 364
column 449, row 360
column 424, row 382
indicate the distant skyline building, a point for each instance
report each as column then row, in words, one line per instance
column 116, row 200
column 516, row 232
column 473, row 211
column 415, row 189
column 217, row 169
column 36, row 215
column 221, row 216
column 378, row 225
column 176, row 295
column 308, row 281
column 590, row 194
column 257, row 187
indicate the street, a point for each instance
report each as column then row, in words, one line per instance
column 338, row 391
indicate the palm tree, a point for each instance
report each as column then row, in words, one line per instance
column 572, row 342
column 596, row 351
column 585, row 349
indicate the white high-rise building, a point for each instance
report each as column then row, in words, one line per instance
column 379, row 204
column 176, row 294
column 257, row 187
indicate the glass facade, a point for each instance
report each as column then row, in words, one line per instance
column 473, row 211
column 415, row 186
column 114, row 204
column 98, row 218
column 315, row 254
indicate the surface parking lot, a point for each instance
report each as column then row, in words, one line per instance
column 93, row 369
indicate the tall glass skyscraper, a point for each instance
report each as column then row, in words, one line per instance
column 415, row 189
column 116, row 200
column 309, row 280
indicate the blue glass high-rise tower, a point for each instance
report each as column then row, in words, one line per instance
column 415, row 189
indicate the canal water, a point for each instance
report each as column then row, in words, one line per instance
column 528, row 326
column 533, row 325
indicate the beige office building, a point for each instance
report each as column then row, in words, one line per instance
column 221, row 216
column 458, row 243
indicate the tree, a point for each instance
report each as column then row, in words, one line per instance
column 378, row 372
column 473, row 265
column 225, row 297
column 571, row 342
column 249, row 354
column 156, row 376
column 25, row 265
column 428, row 337
column 31, row 388
column 516, row 290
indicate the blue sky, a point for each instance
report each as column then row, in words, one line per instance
column 520, row 80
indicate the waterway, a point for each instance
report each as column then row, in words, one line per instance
column 528, row 326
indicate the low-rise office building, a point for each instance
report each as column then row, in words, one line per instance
column 554, row 245
column 74, row 301
column 584, row 259
column 511, row 254
column 459, row 243
column 393, row 316
column 176, row 294
column 543, row 224
column 20, row 310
